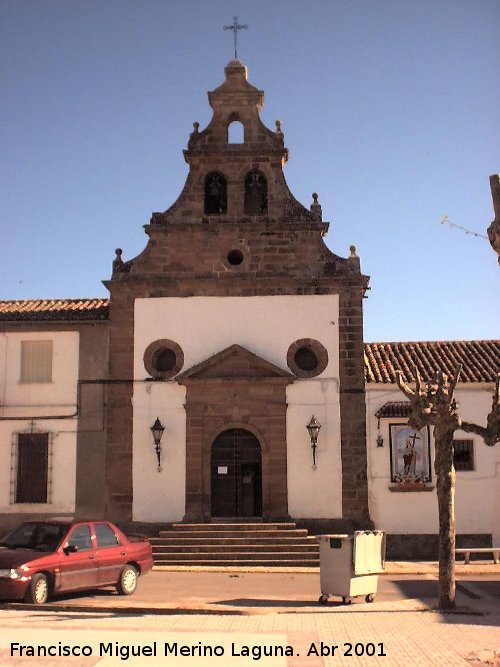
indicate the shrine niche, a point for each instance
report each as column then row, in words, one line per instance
column 255, row 194
column 215, row 194
column 410, row 454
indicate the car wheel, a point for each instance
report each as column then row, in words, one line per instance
column 127, row 583
column 38, row 590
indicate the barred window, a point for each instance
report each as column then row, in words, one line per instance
column 32, row 468
column 463, row 454
column 36, row 361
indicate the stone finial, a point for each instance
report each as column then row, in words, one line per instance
column 278, row 127
column 194, row 136
column 316, row 207
column 118, row 264
column 494, row 229
column 354, row 259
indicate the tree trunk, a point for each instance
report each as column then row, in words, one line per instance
column 445, row 484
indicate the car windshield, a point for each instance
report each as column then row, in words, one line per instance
column 34, row 535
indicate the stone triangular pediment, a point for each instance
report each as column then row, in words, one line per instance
column 234, row 363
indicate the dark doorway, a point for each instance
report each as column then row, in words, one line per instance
column 236, row 475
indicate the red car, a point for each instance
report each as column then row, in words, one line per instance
column 42, row 558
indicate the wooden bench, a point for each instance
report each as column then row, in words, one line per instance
column 467, row 551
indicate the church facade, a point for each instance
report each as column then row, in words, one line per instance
column 251, row 326
column 233, row 331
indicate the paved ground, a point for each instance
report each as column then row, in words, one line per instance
column 241, row 615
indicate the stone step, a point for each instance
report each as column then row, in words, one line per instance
column 228, row 548
column 249, row 534
column 235, row 543
column 238, row 526
column 200, row 541
column 238, row 563
column 243, row 554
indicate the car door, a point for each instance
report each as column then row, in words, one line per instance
column 111, row 554
column 78, row 564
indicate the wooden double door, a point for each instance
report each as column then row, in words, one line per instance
column 236, row 475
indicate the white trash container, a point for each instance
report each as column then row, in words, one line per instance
column 350, row 564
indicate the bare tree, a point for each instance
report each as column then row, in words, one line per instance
column 433, row 404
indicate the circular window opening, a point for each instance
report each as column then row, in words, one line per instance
column 306, row 359
column 164, row 360
column 235, row 257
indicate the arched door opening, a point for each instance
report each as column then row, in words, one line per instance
column 236, row 475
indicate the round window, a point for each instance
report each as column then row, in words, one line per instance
column 235, row 257
column 163, row 359
column 307, row 358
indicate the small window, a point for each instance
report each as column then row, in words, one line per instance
column 215, row 194
column 80, row 538
column 32, row 468
column 236, row 133
column 36, row 361
column 463, row 454
column 235, row 257
column 105, row 536
column 255, row 193
column 307, row 358
column 163, row 359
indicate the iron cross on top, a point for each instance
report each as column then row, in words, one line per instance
column 235, row 27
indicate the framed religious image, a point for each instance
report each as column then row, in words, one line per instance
column 410, row 454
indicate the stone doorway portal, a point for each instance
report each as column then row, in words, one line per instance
column 236, row 475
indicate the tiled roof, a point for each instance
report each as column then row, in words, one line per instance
column 480, row 360
column 54, row 310
column 394, row 409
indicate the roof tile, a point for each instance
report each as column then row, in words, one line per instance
column 54, row 310
column 480, row 360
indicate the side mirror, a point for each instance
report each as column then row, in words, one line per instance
column 70, row 549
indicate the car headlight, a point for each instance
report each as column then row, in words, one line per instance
column 12, row 573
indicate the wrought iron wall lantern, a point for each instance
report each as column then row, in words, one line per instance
column 314, row 427
column 380, row 437
column 157, row 431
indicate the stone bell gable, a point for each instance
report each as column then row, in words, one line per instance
column 220, row 170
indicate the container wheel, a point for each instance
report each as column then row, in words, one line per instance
column 323, row 599
column 370, row 597
column 346, row 600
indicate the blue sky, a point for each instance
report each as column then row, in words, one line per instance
column 389, row 108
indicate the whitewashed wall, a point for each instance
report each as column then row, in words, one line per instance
column 26, row 407
column 267, row 326
column 477, row 491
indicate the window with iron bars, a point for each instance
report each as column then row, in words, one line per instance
column 32, row 468
column 463, row 454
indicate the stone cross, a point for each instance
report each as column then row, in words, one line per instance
column 235, row 27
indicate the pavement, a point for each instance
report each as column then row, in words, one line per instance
column 404, row 586
column 252, row 610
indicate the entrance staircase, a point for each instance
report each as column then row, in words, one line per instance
column 235, row 545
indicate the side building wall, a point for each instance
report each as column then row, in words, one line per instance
column 410, row 518
column 58, row 411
